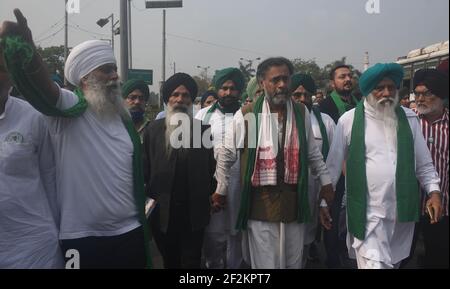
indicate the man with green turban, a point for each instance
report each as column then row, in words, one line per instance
column 385, row 155
column 135, row 93
column 252, row 92
column 229, row 83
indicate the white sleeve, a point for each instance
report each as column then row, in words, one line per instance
column 337, row 153
column 425, row 171
column 315, row 158
column 330, row 126
column 47, row 166
column 226, row 153
column 200, row 115
column 66, row 99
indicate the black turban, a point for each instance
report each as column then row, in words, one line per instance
column 304, row 80
column 434, row 80
column 206, row 94
column 176, row 80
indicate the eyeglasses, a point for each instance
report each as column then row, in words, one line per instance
column 425, row 93
column 225, row 88
column 134, row 97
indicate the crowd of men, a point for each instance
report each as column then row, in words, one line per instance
column 252, row 180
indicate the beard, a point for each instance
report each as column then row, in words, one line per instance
column 385, row 111
column 279, row 98
column 346, row 89
column 433, row 107
column 105, row 98
column 230, row 104
column 178, row 110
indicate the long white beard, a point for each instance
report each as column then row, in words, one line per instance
column 105, row 99
column 179, row 112
column 385, row 111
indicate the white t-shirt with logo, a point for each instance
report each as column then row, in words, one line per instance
column 94, row 173
column 28, row 232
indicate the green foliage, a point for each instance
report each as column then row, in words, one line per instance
column 53, row 56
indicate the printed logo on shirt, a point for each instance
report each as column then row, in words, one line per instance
column 14, row 137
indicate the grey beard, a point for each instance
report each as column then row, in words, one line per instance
column 105, row 99
column 432, row 107
column 170, row 128
column 276, row 99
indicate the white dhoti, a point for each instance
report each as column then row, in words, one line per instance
column 264, row 244
column 364, row 263
column 222, row 242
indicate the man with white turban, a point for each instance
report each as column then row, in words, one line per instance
column 99, row 179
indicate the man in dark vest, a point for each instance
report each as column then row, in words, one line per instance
column 180, row 176
column 335, row 105
column 274, row 200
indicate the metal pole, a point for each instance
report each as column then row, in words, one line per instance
column 66, row 50
column 164, row 48
column 174, row 68
column 130, row 50
column 112, row 31
column 123, row 40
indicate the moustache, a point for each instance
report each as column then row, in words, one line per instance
column 112, row 84
column 281, row 93
column 180, row 108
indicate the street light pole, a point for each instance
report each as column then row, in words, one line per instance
column 163, row 4
column 205, row 68
column 112, row 31
column 123, row 40
column 66, row 38
column 130, row 50
column 164, row 47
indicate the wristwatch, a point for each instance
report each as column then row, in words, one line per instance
column 323, row 204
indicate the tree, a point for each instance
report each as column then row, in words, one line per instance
column 310, row 67
column 247, row 69
column 202, row 83
column 53, row 56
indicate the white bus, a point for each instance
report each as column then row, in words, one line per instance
column 427, row 57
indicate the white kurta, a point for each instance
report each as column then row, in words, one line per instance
column 225, row 220
column 313, row 180
column 262, row 241
column 94, row 173
column 221, row 227
column 386, row 240
column 28, row 230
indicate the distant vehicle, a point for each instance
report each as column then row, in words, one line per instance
column 427, row 57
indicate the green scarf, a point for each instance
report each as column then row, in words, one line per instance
column 303, row 212
column 340, row 104
column 18, row 55
column 407, row 190
column 211, row 110
column 323, row 132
